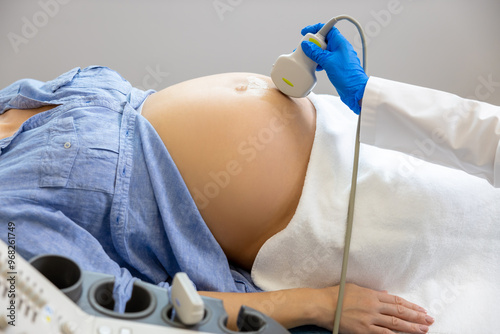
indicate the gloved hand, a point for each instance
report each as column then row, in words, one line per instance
column 341, row 64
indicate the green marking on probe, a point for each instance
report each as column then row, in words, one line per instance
column 314, row 41
column 288, row 82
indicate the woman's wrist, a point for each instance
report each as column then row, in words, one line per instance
column 321, row 306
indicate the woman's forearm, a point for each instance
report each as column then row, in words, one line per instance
column 291, row 308
column 364, row 311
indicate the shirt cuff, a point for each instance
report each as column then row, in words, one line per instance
column 371, row 99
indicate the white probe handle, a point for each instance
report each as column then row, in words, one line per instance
column 294, row 73
column 189, row 306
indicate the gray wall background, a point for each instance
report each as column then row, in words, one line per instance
column 452, row 45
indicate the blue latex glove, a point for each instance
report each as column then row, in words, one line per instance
column 341, row 64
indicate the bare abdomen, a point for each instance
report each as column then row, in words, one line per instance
column 242, row 148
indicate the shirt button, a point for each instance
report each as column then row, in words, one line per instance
column 67, row 144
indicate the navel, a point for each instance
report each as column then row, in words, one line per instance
column 253, row 85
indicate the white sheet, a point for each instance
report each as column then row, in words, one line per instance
column 427, row 233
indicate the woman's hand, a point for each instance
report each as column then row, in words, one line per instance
column 364, row 311
column 367, row 311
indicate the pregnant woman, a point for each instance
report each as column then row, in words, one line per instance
column 246, row 190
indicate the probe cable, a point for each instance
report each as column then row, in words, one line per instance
column 352, row 196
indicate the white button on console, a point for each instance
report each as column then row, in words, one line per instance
column 104, row 330
column 125, row 331
column 69, row 327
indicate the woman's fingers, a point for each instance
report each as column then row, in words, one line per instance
column 397, row 324
column 401, row 315
column 367, row 311
column 391, row 299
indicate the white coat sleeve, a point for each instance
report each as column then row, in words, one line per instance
column 434, row 126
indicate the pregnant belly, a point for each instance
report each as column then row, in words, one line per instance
column 242, row 148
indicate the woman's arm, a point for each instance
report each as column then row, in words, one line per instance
column 364, row 311
column 291, row 308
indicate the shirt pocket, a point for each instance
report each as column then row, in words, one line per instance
column 73, row 162
column 95, row 167
column 59, row 155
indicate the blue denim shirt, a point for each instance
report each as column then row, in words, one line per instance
column 91, row 179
